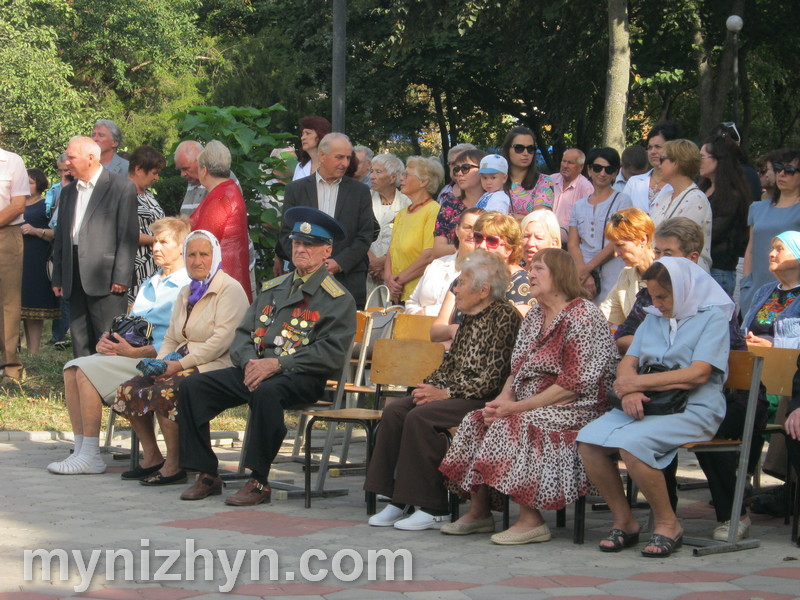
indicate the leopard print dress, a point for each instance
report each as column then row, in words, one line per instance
column 532, row 456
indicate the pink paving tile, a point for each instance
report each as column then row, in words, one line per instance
column 598, row 597
column 554, row 581
column 684, row 577
column 285, row 589
column 259, row 522
column 144, row 593
column 788, row 572
column 429, row 585
column 25, row 596
column 735, row 595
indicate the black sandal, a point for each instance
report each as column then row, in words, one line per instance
column 666, row 545
column 159, row 479
column 620, row 540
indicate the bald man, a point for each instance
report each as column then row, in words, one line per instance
column 95, row 244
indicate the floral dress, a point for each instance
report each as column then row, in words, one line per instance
column 524, row 201
column 532, row 456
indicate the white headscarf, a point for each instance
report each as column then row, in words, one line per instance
column 692, row 290
column 198, row 288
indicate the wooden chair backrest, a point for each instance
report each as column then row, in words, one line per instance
column 404, row 362
column 413, row 327
column 361, row 325
column 780, row 365
column 740, row 370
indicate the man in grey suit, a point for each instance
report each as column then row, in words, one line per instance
column 95, row 244
column 346, row 200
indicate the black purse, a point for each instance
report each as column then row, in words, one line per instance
column 137, row 331
column 668, row 402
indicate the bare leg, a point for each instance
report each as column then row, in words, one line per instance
column 33, row 334
column 91, row 405
column 529, row 518
column 170, row 430
column 143, row 426
column 651, row 482
column 73, row 400
column 478, row 507
column 604, row 473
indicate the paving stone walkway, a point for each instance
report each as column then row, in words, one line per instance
column 287, row 551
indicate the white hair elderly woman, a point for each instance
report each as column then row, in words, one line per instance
column 387, row 201
column 682, row 344
column 410, row 445
column 540, row 230
column 200, row 333
column 410, row 250
column 223, row 213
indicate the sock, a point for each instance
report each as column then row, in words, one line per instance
column 262, row 479
column 78, row 443
column 90, row 449
column 436, row 512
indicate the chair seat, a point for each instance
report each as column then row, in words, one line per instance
column 715, row 444
column 350, row 388
column 362, row 414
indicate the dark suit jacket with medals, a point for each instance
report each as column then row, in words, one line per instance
column 107, row 240
column 308, row 332
column 354, row 212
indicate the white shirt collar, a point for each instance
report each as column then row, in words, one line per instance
column 93, row 181
column 320, row 179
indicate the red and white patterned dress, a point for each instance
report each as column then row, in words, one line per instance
column 532, row 456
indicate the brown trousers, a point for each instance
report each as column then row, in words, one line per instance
column 11, row 250
column 410, row 446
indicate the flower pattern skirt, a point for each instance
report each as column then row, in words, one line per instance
column 144, row 395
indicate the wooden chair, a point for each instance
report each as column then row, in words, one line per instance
column 413, row 327
column 394, row 363
column 744, row 373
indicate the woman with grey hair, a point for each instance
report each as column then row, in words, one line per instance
column 540, row 229
column 387, row 201
column 108, row 136
column 411, row 248
column 410, row 445
column 223, row 213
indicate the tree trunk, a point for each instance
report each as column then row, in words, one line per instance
column 440, row 118
column 619, row 68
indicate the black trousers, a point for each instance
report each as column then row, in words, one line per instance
column 203, row 396
column 90, row 316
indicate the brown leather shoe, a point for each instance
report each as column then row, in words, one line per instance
column 251, row 494
column 205, row 486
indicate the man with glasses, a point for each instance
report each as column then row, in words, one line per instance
column 569, row 186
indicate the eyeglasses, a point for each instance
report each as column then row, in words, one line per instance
column 492, row 241
column 618, row 218
column 663, row 157
column 763, row 171
column 731, row 131
column 607, row 168
column 465, row 168
column 705, row 156
column 788, row 169
column 520, row 148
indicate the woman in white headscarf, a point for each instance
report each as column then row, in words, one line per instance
column 200, row 333
column 686, row 331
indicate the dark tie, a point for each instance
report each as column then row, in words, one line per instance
column 297, row 283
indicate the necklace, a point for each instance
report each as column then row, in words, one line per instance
column 413, row 207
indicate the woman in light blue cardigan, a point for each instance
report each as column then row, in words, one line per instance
column 774, row 316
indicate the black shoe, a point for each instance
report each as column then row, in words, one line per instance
column 771, row 503
column 159, row 479
column 141, row 472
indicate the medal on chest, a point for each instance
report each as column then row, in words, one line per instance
column 262, row 325
column 296, row 332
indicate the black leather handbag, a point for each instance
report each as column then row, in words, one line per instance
column 668, row 402
column 137, row 331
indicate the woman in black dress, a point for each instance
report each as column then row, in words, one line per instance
column 38, row 301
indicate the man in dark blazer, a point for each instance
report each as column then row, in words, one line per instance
column 346, row 200
column 95, row 244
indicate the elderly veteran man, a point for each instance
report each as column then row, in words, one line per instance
column 294, row 337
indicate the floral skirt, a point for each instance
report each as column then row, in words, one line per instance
column 524, row 456
column 144, row 395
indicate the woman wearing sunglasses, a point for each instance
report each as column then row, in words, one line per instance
column 497, row 234
column 586, row 243
column 467, row 165
column 722, row 180
column 766, row 220
column 643, row 189
column 527, row 188
column 680, row 164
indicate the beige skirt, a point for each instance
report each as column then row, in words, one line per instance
column 106, row 373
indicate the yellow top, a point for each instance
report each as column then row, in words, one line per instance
column 412, row 233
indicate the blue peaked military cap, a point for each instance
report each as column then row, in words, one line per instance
column 313, row 226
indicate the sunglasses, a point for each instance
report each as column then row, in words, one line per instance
column 663, row 157
column 465, row 168
column 618, row 218
column 520, row 148
column 731, row 131
column 492, row 241
column 788, row 169
column 607, row 168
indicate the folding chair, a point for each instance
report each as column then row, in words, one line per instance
column 402, row 363
column 413, row 327
column 744, row 373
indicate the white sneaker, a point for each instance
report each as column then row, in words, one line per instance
column 54, row 467
column 388, row 516
column 421, row 520
column 721, row 532
column 79, row 465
